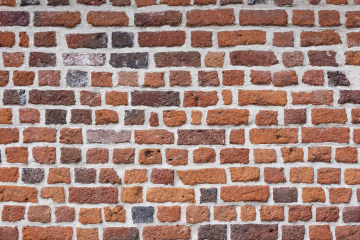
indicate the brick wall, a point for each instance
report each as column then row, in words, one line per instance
column 179, row 119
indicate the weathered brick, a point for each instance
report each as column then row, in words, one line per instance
column 83, row 195
column 14, row 18
column 322, row 58
column 137, row 60
column 155, row 98
column 162, row 195
column 161, row 39
column 177, row 59
column 244, row 193
column 274, row 136
column 163, row 232
column 253, row 58
column 316, row 135
column 262, row 97
column 217, row 17
column 317, row 97
column 254, row 231
column 30, row 233
column 147, row 19
column 242, row 37
column 107, row 19
column 57, row 19
column 263, row 17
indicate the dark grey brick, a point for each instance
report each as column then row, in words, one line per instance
column 285, row 194
column 208, row 195
column 76, row 78
column 32, row 175
column 85, row 175
column 337, row 78
column 14, row 97
column 212, row 232
column 29, row 2
column 142, row 214
column 130, row 60
column 55, row 116
column 134, row 117
column 122, row 39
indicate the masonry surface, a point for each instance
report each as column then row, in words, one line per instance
column 179, row 119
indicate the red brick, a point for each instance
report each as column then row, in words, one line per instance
column 319, row 154
column 9, row 174
column 346, row 155
column 17, row 154
column 327, row 116
column 303, row 17
column 15, row 59
column 154, row 79
column 163, row 232
column 283, row 39
column 202, row 176
column 161, row 39
column 227, row 117
column 292, row 154
column 234, row 155
column 147, row 19
column 314, row 77
column 322, row 58
column 329, row 175
column 253, row 58
column 18, row 194
column 244, row 193
column 266, row 118
column 242, row 37
column 57, row 19
column 317, row 135
column 7, row 39
column 262, row 97
column 208, row 78
column 318, row 97
column 339, row 195
column 200, row 98
column 31, row 233
column 176, row 157
column 274, row 136
column 201, row 39
column 218, row 17
column 197, row 214
column 322, row 232
column 107, row 19
column 329, row 18
column 327, row 37
column 12, row 213
column 263, row 17
column 82, row 195
column 264, row 155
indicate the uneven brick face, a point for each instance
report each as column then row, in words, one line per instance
column 197, row 214
column 103, row 18
column 220, row 17
column 167, row 116
column 299, row 213
column 261, row 17
column 202, row 176
column 244, row 193
column 161, row 39
column 12, row 213
column 29, row 232
column 319, row 38
column 147, row 19
column 262, row 97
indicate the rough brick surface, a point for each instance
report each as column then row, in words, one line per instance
column 179, row 119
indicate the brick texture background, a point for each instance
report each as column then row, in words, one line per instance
column 179, row 119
